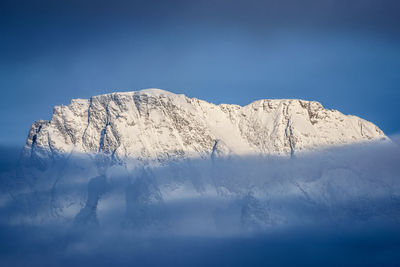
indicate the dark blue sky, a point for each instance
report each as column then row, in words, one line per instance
column 345, row 54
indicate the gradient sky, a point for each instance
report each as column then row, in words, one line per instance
column 345, row 54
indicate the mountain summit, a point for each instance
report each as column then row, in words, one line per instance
column 154, row 125
column 158, row 160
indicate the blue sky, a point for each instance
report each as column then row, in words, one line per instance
column 345, row 54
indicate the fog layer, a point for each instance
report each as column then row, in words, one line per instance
column 337, row 206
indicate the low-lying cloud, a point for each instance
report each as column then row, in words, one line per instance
column 338, row 206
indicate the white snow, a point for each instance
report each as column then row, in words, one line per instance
column 157, row 125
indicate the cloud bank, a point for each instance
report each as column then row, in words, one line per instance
column 336, row 207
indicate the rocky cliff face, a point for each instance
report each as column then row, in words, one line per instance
column 154, row 126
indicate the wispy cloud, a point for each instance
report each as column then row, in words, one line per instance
column 230, row 211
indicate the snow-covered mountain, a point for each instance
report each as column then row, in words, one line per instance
column 156, row 159
column 154, row 125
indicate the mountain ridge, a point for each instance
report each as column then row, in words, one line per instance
column 154, row 125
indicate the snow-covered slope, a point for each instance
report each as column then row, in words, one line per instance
column 154, row 125
column 104, row 161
